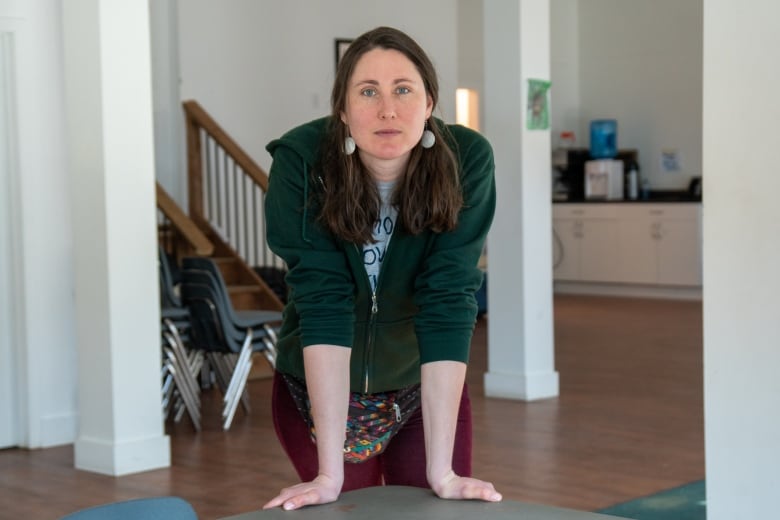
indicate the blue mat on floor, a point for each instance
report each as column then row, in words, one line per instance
column 681, row 503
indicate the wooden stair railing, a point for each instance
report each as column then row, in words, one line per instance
column 177, row 233
column 226, row 201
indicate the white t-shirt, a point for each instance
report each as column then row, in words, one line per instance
column 373, row 254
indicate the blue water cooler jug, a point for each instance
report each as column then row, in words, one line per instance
column 603, row 139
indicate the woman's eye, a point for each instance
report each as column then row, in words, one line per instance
column 403, row 90
column 368, row 92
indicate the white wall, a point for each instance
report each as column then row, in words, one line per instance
column 639, row 63
column 41, row 236
column 471, row 51
column 741, row 254
column 260, row 68
column 565, row 71
column 168, row 116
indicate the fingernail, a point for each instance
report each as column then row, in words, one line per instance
column 287, row 506
column 496, row 497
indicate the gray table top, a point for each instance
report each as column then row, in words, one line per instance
column 394, row 502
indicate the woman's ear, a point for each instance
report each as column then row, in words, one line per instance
column 428, row 107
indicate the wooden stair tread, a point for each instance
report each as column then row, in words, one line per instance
column 234, row 289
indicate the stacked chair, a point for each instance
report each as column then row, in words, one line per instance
column 180, row 369
column 228, row 337
column 180, row 366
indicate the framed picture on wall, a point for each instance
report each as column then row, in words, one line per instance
column 341, row 48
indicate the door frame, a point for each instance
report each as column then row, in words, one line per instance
column 10, row 346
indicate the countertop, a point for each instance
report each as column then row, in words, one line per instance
column 664, row 196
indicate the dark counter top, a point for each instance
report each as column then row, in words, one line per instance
column 653, row 197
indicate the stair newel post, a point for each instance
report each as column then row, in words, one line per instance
column 194, row 167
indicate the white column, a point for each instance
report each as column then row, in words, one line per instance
column 741, row 237
column 111, row 162
column 520, row 317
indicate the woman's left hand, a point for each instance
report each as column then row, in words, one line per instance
column 451, row 486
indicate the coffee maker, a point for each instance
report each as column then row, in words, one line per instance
column 569, row 173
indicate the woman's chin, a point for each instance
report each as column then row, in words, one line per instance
column 387, row 153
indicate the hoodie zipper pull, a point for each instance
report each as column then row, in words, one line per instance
column 374, row 305
column 397, row 410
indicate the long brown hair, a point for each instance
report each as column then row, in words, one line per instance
column 428, row 194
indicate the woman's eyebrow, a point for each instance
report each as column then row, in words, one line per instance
column 375, row 82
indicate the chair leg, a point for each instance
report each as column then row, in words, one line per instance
column 167, row 391
column 183, row 378
column 191, row 403
column 269, row 352
column 227, row 364
column 185, row 374
column 238, row 381
column 221, row 368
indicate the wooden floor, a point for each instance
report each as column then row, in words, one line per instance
column 628, row 422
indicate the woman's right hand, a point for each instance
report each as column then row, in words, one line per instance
column 321, row 490
column 327, row 379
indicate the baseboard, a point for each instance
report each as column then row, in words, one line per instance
column 522, row 387
column 629, row 290
column 122, row 458
column 57, row 430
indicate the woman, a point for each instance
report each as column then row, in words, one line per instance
column 380, row 212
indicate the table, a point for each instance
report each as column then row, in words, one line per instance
column 410, row 503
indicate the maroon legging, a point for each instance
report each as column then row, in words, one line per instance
column 402, row 463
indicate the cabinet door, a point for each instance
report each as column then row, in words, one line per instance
column 566, row 249
column 637, row 251
column 598, row 250
column 679, row 252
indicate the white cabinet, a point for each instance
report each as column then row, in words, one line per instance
column 632, row 243
column 660, row 244
column 582, row 234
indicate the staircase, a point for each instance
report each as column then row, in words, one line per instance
column 226, row 191
column 179, row 236
column 246, row 288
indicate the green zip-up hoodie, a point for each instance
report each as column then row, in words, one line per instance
column 424, row 308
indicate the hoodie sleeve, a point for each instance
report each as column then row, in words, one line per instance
column 445, row 288
column 318, row 275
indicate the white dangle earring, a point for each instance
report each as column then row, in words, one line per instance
column 428, row 139
column 349, row 145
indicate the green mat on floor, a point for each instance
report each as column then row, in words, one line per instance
column 681, row 503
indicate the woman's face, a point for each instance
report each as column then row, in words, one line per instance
column 386, row 110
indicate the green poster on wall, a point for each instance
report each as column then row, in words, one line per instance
column 538, row 117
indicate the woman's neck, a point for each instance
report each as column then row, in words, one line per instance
column 385, row 170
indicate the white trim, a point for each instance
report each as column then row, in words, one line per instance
column 58, row 429
column 523, row 387
column 122, row 458
column 11, row 343
column 629, row 290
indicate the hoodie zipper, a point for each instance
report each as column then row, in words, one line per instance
column 371, row 336
column 371, row 323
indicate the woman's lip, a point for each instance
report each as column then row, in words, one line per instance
column 388, row 131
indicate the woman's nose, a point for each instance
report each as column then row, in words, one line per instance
column 387, row 109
